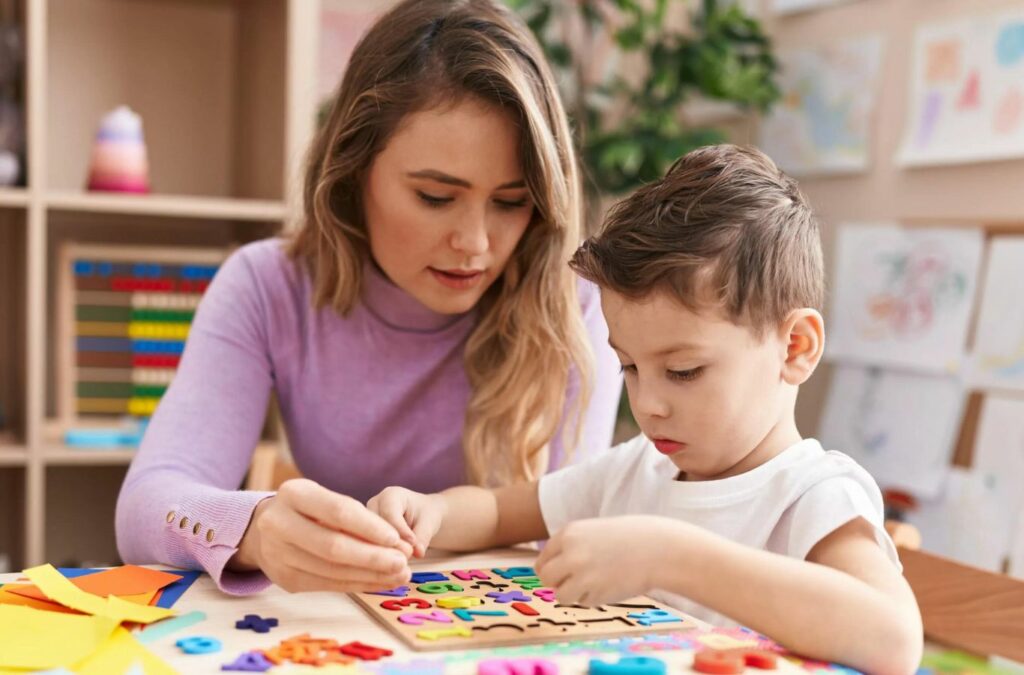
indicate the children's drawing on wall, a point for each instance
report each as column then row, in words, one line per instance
column 976, row 517
column 967, row 91
column 997, row 357
column 822, row 123
column 902, row 297
column 900, row 426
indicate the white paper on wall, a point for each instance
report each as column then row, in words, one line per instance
column 966, row 91
column 997, row 355
column 903, row 296
column 900, row 426
column 822, row 123
column 976, row 519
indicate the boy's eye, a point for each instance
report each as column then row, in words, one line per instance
column 685, row 375
column 627, row 368
column 431, row 200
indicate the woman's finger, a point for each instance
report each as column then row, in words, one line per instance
column 338, row 512
column 297, row 580
column 296, row 558
column 338, row 547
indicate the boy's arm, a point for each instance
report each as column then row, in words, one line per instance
column 463, row 518
column 476, row 518
column 845, row 603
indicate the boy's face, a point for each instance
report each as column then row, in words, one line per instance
column 708, row 392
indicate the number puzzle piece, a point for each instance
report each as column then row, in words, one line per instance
column 457, row 631
column 524, row 609
column 364, row 652
column 545, row 594
column 426, row 577
column 249, row 662
column 516, row 667
column 513, row 572
column 628, row 665
column 731, row 661
column 528, row 583
column 467, row 575
column 256, row 623
column 463, row 602
column 509, row 596
column 418, row 619
column 652, row 616
column 199, row 644
column 438, row 587
column 397, row 605
column 399, row 592
column 468, row 614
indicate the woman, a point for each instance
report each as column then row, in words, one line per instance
column 421, row 327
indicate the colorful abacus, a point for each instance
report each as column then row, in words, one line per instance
column 130, row 322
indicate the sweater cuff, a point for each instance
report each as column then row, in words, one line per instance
column 205, row 530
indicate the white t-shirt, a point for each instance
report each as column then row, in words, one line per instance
column 786, row 505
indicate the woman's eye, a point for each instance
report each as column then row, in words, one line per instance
column 507, row 205
column 685, row 375
column 431, row 200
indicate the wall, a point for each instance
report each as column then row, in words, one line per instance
column 977, row 193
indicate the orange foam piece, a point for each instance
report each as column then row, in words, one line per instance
column 733, row 661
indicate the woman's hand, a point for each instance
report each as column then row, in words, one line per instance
column 308, row 538
column 601, row 560
column 417, row 517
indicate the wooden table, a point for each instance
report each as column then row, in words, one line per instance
column 336, row 616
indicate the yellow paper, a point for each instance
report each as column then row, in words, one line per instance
column 119, row 653
column 36, row 639
column 60, row 589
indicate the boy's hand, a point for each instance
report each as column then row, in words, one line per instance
column 602, row 560
column 417, row 517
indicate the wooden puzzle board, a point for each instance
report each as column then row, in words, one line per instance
column 474, row 608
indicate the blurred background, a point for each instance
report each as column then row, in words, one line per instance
column 141, row 140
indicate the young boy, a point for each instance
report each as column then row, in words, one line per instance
column 711, row 282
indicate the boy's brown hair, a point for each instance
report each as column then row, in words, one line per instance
column 724, row 228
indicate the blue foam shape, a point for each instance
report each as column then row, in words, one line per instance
column 628, row 665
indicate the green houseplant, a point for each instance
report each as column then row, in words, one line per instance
column 630, row 127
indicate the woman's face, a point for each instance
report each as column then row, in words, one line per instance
column 446, row 203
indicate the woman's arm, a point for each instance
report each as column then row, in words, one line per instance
column 180, row 503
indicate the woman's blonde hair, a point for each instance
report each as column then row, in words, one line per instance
column 530, row 334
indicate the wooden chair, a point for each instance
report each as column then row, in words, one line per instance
column 962, row 606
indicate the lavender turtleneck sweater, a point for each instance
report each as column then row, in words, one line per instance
column 372, row 399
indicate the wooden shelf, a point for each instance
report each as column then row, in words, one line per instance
column 63, row 455
column 13, row 455
column 13, row 196
column 213, row 208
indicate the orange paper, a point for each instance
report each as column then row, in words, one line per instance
column 9, row 597
column 128, row 580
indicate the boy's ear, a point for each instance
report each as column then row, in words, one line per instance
column 803, row 332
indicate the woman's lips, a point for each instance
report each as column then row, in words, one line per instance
column 668, row 447
column 458, row 279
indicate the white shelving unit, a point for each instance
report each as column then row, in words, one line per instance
column 227, row 93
